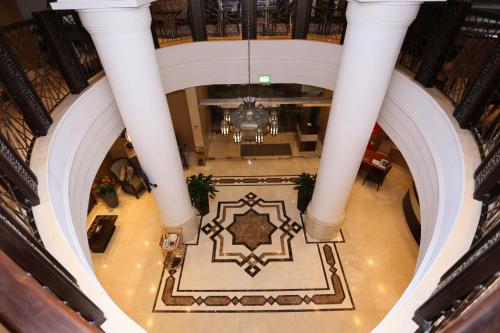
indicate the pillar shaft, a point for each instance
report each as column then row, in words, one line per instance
column 375, row 33
column 123, row 40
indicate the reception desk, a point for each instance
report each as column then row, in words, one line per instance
column 307, row 136
column 376, row 160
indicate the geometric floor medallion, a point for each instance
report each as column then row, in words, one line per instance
column 253, row 255
column 251, row 232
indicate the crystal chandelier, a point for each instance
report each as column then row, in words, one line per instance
column 248, row 122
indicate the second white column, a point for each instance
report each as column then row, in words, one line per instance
column 375, row 32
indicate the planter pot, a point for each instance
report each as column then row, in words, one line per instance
column 203, row 208
column 302, row 201
column 111, row 199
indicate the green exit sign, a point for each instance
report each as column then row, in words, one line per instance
column 265, row 79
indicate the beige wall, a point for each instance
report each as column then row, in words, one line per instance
column 205, row 117
column 116, row 151
column 200, row 122
column 180, row 116
column 104, row 168
column 323, row 116
column 194, row 116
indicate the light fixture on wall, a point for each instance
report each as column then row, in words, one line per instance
column 249, row 122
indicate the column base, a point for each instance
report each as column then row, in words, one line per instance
column 190, row 228
column 320, row 230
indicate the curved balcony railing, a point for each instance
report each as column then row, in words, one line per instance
column 177, row 21
column 37, row 71
column 44, row 59
column 472, row 44
column 455, row 48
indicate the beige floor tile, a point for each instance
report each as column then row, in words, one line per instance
column 378, row 257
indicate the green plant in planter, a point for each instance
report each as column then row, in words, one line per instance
column 200, row 188
column 105, row 189
column 305, row 186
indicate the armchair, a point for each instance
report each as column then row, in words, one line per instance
column 129, row 179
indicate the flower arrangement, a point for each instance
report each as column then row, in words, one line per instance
column 104, row 186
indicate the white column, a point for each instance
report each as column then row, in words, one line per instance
column 375, row 32
column 123, row 40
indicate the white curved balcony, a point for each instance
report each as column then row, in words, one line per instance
column 441, row 157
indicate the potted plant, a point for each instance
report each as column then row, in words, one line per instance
column 105, row 189
column 200, row 188
column 305, row 186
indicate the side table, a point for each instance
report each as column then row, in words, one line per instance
column 100, row 232
column 173, row 247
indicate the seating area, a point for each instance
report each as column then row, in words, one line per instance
column 128, row 177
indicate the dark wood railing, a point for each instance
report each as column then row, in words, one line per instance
column 198, row 20
column 419, row 35
column 80, row 41
column 25, row 306
column 472, row 45
column 490, row 217
column 170, row 21
column 32, row 54
column 42, row 60
column 455, row 48
column 465, row 282
column 223, row 18
column 478, row 312
column 13, row 126
column 328, row 20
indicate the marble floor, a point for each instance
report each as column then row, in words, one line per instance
column 223, row 147
column 374, row 260
column 254, row 256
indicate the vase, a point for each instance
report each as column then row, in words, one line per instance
column 111, row 199
column 204, row 207
column 302, row 201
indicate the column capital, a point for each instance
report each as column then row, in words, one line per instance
column 110, row 16
column 98, row 4
column 382, row 14
column 115, row 20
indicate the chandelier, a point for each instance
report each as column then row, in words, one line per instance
column 248, row 122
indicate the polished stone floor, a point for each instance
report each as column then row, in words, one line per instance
column 254, row 256
column 223, row 147
column 373, row 261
